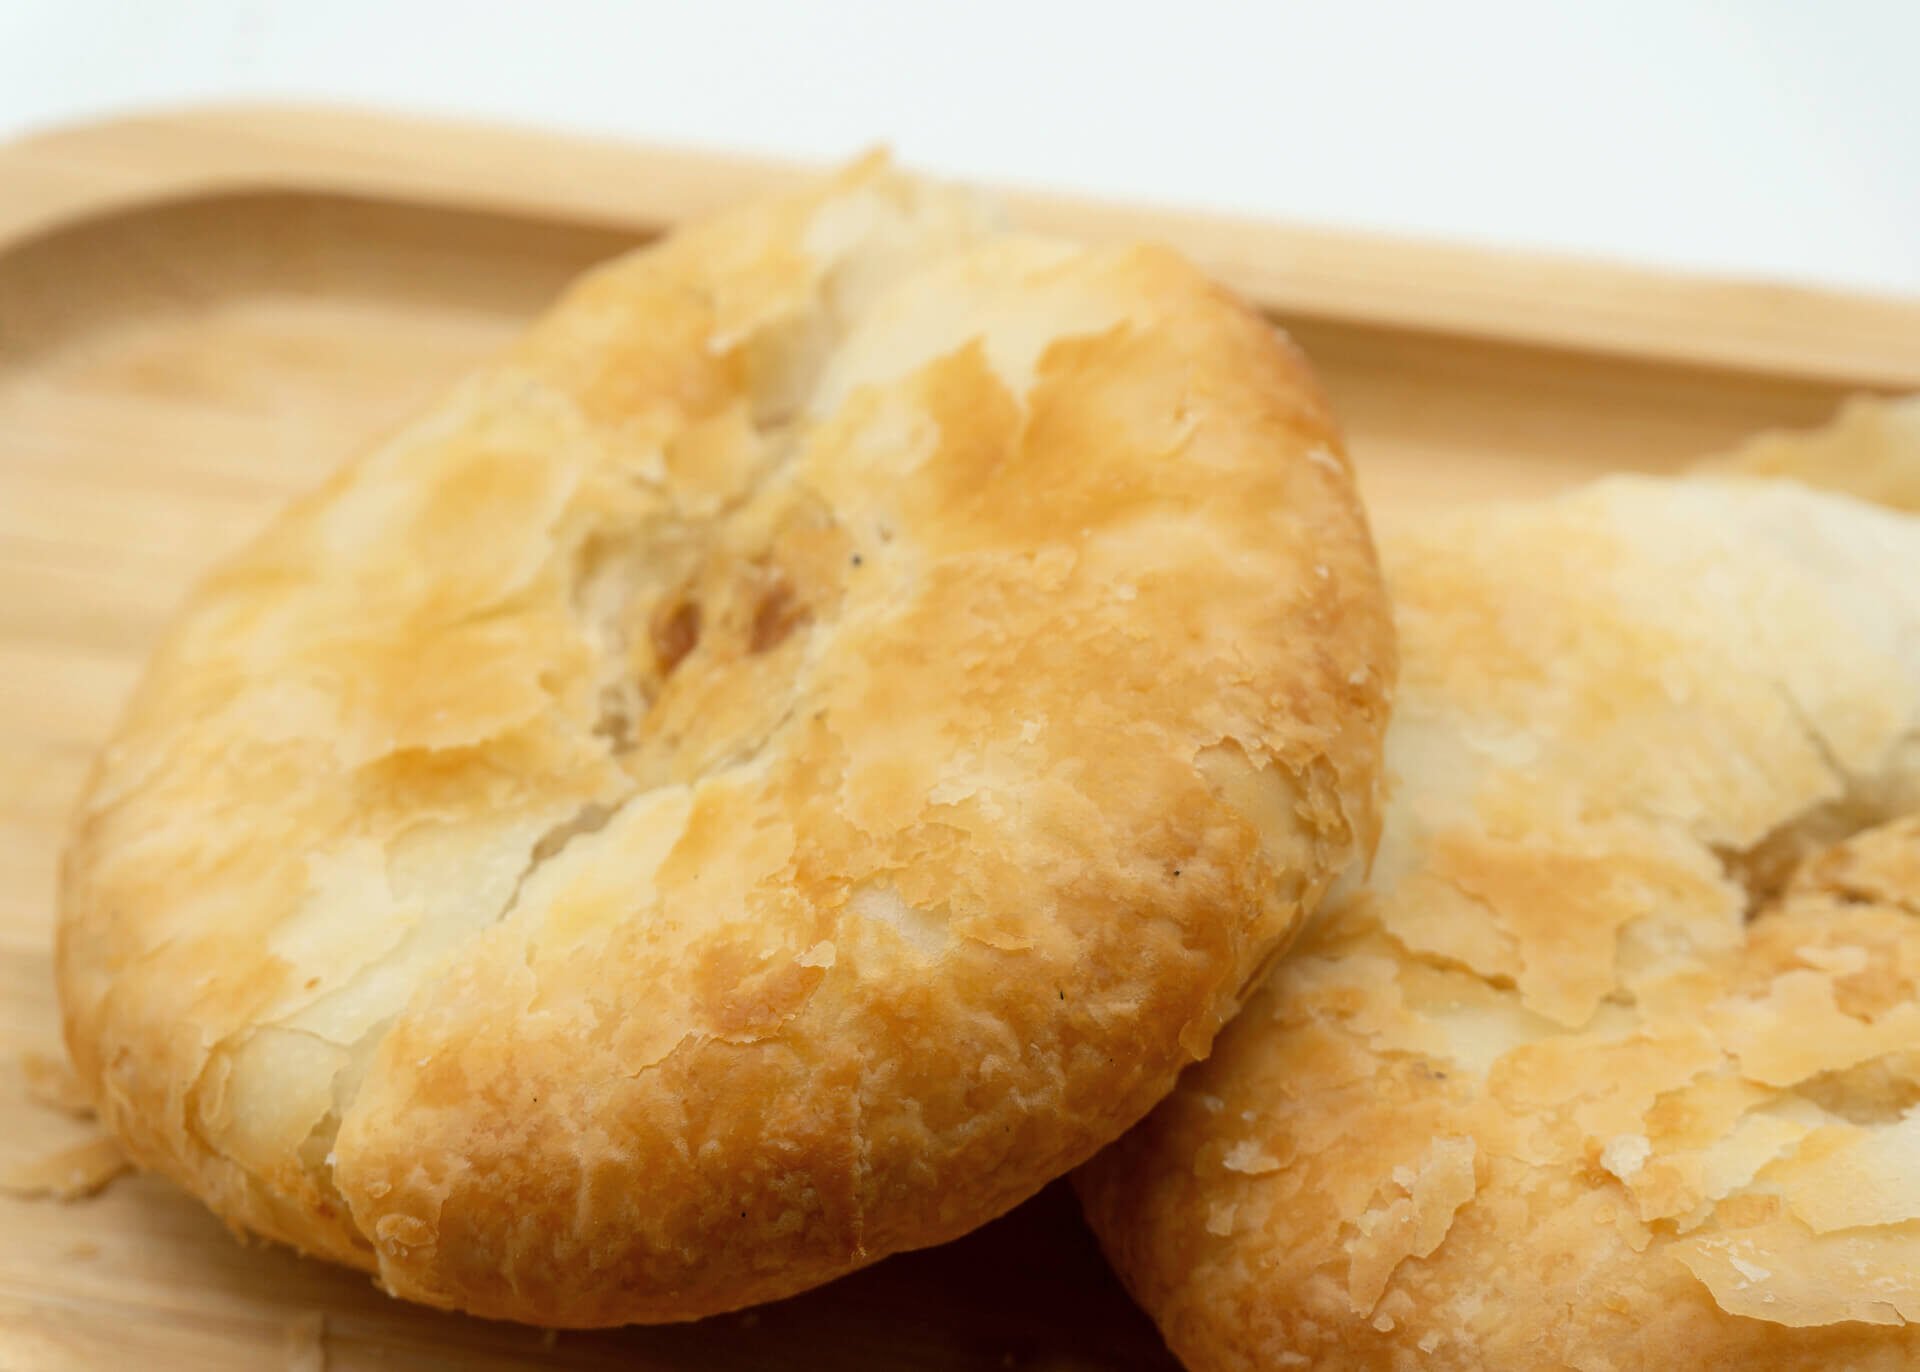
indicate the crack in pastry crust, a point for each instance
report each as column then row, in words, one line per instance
column 694, row 812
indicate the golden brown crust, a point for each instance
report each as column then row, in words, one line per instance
column 793, row 756
column 1608, row 1065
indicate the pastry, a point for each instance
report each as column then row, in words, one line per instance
column 1613, row 1060
column 1871, row 449
column 793, row 755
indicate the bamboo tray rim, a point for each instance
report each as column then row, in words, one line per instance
column 62, row 176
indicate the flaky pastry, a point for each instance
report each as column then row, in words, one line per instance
column 793, row 755
column 1613, row 1063
column 1870, row 449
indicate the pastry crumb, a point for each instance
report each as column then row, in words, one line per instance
column 68, row 1175
column 1249, row 1157
column 51, row 1082
column 305, row 1342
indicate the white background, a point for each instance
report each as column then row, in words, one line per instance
column 1775, row 138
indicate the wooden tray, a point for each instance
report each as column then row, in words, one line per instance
column 200, row 313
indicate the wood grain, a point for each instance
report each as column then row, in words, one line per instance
column 200, row 314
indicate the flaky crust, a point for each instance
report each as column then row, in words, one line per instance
column 794, row 755
column 1871, row 450
column 1611, row 1062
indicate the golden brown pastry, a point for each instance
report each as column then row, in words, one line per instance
column 794, row 755
column 1613, row 1062
column 1871, row 449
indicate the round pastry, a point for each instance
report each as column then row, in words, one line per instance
column 1612, row 1063
column 795, row 754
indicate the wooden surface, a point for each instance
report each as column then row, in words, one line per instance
column 201, row 313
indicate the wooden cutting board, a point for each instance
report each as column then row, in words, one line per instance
column 201, row 313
